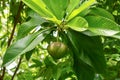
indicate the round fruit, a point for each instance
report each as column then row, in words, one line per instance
column 57, row 50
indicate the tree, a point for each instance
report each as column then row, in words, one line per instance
column 80, row 25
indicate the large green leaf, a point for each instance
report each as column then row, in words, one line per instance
column 24, row 45
column 82, row 7
column 40, row 7
column 57, row 7
column 78, row 24
column 101, row 12
column 102, row 26
column 87, row 50
column 26, row 27
column 81, row 68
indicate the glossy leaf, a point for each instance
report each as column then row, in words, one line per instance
column 116, row 36
column 26, row 27
column 72, row 5
column 101, row 12
column 40, row 7
column 24, row 45
column 84, row 13
column 78, row 24
column 82, row 7
column 102, row 26
column 57, row 7
column 89, row 33
column 88, row 50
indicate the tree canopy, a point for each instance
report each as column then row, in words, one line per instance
column 59, row 39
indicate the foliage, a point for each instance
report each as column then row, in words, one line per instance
column 90, row 32
column 112, row 6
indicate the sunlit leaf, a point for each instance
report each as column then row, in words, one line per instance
column 40, row 7
column 71, row 6
column 24, row 45
column 57, row 7
column 26, row 27
column 102, row 26
column 116, row 36
column 82, row 7
column 78, row 24
column 101, row 12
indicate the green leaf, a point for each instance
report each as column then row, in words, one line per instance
column 61, row 68
column 29, row 54
column 57, row 7
column 89, row 33
column 102, row 26
column 83, row 71
column 81, row 68
column 26, row 27
column 78, row 24
column 71, row 6
column 40, row 7
column 37, row 62
column 24, row 45
column 84, row 13
column 101, row 12
column 25, row 75
column 116, row 36
column 82, row 7
column 88, row 50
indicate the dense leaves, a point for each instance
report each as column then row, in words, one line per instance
column 88, row 55
column 84, row 28
column 88, row 49
column 52, row 10
column 41, row 9
column 112, row 6
column 81, row 8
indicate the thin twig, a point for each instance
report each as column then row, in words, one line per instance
column 16, row 21
column 17, row 67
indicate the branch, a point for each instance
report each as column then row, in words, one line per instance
column 17, row 67
column 15, row 23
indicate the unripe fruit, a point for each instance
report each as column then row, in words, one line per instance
column 57, row 50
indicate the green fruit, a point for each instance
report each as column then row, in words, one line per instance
column 57, row 50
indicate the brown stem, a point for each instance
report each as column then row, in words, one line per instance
column 17, row 67
column 15, row 23
column 11, row 36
